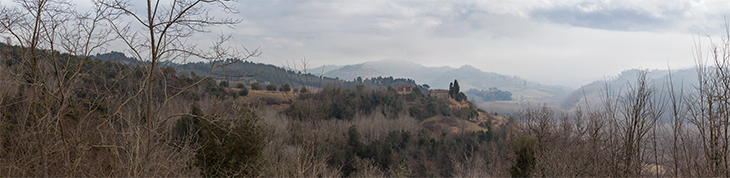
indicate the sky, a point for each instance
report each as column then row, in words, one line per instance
column 555, row 42
column 570, row 43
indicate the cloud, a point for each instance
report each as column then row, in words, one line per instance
column 307, row 19
column 567, row 42
column 600, row 18
column 650, row 15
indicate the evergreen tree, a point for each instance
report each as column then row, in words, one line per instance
column 524, row 149
column 451, row 89
column 456, row 88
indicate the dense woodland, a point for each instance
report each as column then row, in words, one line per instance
column 66, row 112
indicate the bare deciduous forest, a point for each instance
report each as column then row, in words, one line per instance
column 64, row 113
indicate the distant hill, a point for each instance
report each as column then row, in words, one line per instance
column 323, row 69
column 436, row 77
column 592, row 93
column 267, row 73
column 440, row 77
column 262, row 73
column 117, row 57
column 254, row 72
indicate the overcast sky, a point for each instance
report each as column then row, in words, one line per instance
column 554, row 42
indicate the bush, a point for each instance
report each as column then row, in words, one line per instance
column 243, row 91
column 431, row 108
column 224, row 83
column 417, row 91
column 445, row 111
column 271, row 87
column 231, row 145
column 256, row 86
column 304, row 89
column 285, row 88
column 414, row 111
column 186, row 128
column 216, row 92
column 525, row 156
column 460, row 97
column 240, row 85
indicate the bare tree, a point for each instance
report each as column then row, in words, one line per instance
column 639, row 111
column 709, row 106
column 42, row 28
column 157, row 35
column 540, row 122
column 677, row 113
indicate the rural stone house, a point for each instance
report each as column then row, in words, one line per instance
column 440, row 93
column 403, row 89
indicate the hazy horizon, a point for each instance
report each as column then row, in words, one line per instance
column 315, row 69
column 553, row 42
column 569, row 43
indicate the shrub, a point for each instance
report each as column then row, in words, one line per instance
column 304, row 89
column 224, row 83
column 243, row 91
column 216, row 92
column 256, row 86
column 460, row 97
column 414, row 111
column 285, row 87
column 431, row 108
column 231, row 145
column 271, row 87
column 417, row 91
column 240, row 85
column 525, row 156
column 186, row 128
column 445, row 111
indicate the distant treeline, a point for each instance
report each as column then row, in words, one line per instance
column 493, row 94
column 385, row 82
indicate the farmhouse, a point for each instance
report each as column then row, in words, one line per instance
column 403, row 89
column 439, row 93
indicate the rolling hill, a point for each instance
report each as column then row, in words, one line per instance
column 440, row 77
column 682, row 79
